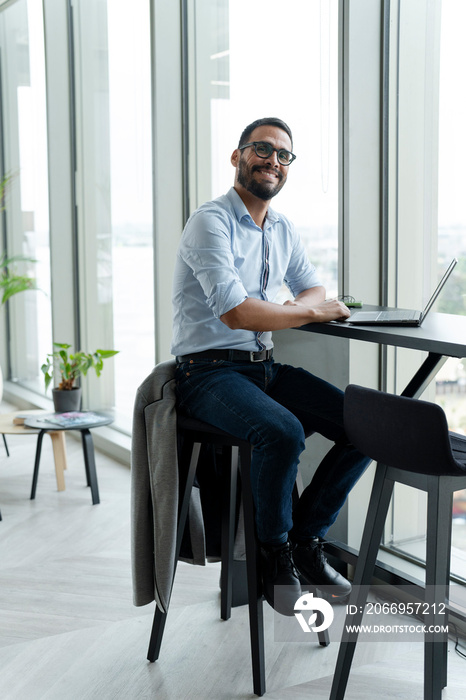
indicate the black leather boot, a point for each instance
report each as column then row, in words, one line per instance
column 280, row 579
column 315, row 570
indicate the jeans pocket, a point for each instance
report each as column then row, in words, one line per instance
column 194, row 367
column 189, row 377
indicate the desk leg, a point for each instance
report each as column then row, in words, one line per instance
column 423, row 377
column 89, row 463
column 6, row 446
column 35, row 476
column 59, row 455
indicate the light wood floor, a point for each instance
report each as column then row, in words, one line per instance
column 69, row 631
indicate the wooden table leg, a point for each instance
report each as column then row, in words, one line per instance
column 59, row 455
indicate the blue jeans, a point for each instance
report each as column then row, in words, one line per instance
column 274, row 406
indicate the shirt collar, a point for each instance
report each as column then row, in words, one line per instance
column 241, row 211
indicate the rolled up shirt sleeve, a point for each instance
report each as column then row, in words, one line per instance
column 207, row 251
column 301, row 273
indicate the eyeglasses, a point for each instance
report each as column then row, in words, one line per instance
column 265, row 150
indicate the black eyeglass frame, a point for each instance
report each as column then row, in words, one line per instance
column 254, row 144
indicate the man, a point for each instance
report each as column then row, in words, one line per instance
column 234, row 255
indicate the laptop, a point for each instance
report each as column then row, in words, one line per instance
column 401, row 317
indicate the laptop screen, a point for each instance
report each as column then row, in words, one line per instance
column 438, row 289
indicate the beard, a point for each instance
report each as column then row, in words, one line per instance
column 262, row 190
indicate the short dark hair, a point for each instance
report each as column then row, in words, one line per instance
column 266, row 121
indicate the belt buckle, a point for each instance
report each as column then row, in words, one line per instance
column 262, row 353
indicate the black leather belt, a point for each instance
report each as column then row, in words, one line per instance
column 230, row 355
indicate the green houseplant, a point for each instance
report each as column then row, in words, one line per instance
column 11, row 282
column 69, row 367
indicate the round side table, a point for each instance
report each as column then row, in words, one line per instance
column 46, row 426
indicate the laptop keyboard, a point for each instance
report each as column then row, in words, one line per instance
column 401, row 315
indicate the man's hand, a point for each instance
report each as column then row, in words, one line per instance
column 329, row 310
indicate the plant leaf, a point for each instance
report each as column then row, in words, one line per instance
column 107, row 353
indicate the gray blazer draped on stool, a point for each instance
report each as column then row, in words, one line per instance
column 154, row 491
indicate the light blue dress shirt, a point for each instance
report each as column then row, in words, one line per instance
column 223, row 259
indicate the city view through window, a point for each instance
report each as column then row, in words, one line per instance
column 451, row 381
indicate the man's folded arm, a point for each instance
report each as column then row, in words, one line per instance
column 308, row 307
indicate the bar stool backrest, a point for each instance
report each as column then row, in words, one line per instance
column 400, row 432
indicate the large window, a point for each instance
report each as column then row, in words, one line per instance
column 451, row 382
column 289, row 70
column 24, row 158
column 114, row 175
column 430, row 109
column 105, row 112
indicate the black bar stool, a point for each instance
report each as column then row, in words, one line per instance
column 236, row 454
column 410, row 440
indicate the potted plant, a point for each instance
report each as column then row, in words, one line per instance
column 69, row 367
